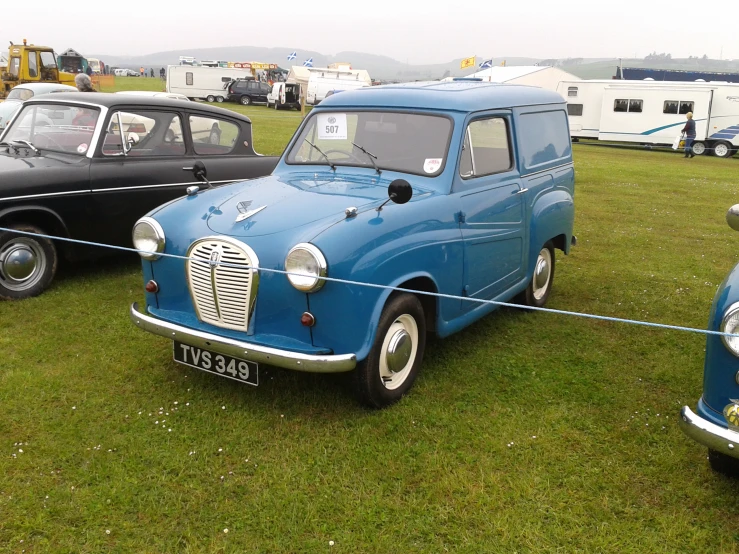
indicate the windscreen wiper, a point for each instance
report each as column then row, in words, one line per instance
column 26, row 143
column 322, row 154
column 8, row 145
column 371, row 157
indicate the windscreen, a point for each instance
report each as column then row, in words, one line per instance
column 396, row 141
column 55, row 127
column 20, row 93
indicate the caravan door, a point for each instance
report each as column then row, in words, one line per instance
column 652, row 114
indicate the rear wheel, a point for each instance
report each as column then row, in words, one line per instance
column 27, row 263
column 219, row 99
column 215, row 135
column 537, row 293
column 394, row 361
column 722, row 149
column 245, row 100
column 699, row 148
column 277, row 107
column 210, row 98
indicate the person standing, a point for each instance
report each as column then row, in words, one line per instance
column 689, row 131
column 83, row 83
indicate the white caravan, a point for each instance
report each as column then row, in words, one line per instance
column 653, row 112
column 317, row 81
column 207, row 83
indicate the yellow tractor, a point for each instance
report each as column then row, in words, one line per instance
column 31, row 64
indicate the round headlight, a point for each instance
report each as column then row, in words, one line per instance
column 148, row 238
column 308, row 261
column 730, row 324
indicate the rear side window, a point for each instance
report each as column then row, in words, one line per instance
column 544, row 138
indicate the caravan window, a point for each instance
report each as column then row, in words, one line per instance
column 574, row 109
column 670, row 106
column 677, row 106
column 632, row 106
column 188, row 78
column 572, row 92
column 686, row 107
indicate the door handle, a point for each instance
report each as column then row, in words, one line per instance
column 520, row 191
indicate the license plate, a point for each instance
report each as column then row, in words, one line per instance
column 220, row 364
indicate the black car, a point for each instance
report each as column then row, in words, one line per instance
column 87, row 165
column 248, row 91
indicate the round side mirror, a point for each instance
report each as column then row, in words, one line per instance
column 400, row 191
column 732, row 217
column 199, row 170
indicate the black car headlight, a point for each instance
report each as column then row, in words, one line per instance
column 309, row 262
column 148, row 238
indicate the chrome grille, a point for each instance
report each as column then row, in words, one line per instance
column 223, row 295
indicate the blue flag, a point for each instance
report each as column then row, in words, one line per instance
column 308, row 62
column 292, row 56
column 486, row 64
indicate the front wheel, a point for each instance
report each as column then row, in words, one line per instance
column 537, row 292
column 210, row 98
column 721, row 463
column 394, row 361
column 722, row 149
column 699, row 148
column 27, row 263
column 245, row 100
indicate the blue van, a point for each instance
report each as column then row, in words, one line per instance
column 440, row 194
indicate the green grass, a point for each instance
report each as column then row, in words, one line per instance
column 527, row 432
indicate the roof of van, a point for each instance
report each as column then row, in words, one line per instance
column 467, row 96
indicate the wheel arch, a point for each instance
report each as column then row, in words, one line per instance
column 552, row 219
column 40, row 216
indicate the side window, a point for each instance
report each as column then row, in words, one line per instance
column 147, row 134
column 32, row 64
column 686, row 107
column 486, row 148
column 635, row 106
column 212, row 136
column 543, row 138
column 14, row 66
column 572, row 92
column 265, row 88
column 47, row 60
column 574, row 109
column 188, row 78
column 670, row 106
column 621, row 106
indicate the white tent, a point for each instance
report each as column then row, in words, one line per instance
column 533, row 75
column 300, row 75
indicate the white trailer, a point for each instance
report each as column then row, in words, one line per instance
column 653, row 112
column 207, row 83
column 317, row 81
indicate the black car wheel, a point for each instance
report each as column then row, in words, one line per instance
column 721, row 463
column 394, row 361
column 245, row 100
column 27, row 263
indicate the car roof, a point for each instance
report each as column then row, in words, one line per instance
column 465, row 96
column 109, row 100
column 41, row 87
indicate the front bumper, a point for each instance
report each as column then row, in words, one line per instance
column 709, row 434
column 333, row 363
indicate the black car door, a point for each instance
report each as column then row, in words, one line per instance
column 129, row 182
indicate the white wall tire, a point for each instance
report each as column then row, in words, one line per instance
column 393, row 363
column 27, row 264
column 538, row 289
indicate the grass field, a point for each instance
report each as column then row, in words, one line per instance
column 527, row 432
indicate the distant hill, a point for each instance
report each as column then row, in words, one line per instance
column 389, row 69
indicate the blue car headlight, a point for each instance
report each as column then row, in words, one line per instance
column 148, row 238
column 309, row 262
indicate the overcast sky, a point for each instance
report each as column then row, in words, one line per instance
column 407, row 30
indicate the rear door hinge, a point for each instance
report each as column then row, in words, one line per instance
column 461, row 217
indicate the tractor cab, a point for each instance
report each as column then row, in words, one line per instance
column 28, row 63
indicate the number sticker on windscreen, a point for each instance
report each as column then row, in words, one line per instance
column 332, row 126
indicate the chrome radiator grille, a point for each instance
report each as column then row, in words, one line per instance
column 223, row 295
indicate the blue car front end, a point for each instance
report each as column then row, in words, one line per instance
column 715, row 423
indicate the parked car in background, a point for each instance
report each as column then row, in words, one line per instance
column 284, row 95
column 202, row 129
column 86, row 166
column 24, row 92
column 463, row 189
column 248, row 91
column 715, row 423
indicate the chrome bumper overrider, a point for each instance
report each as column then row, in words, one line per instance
column 709, row 434
column 328, row 363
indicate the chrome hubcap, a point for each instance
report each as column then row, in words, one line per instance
column 542, row 273
column 22, row 264
column 398, row 353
